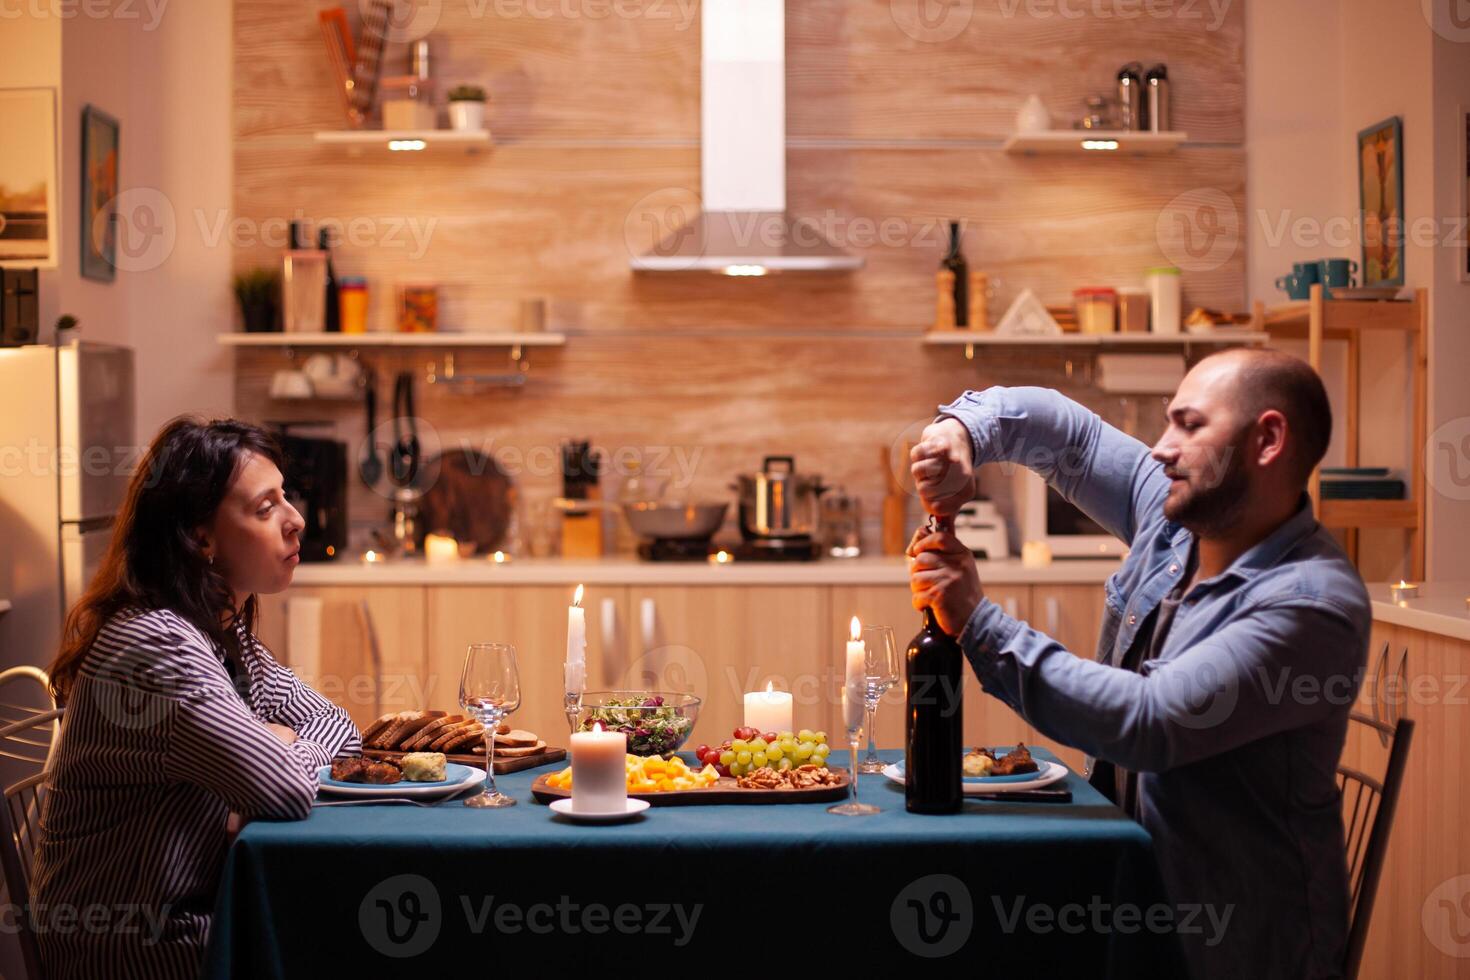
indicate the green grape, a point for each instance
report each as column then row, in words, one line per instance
column 803, row 752
column 820, row 736
column 727, row 757
column 743, row 758
column 788, row 745
column 785, row 736
column 736, row 769
column 758, row 759
column 758, row 745
column 783, row 765
column 805, row 735
column 739, row 745
column 822, row 749
column 774, row 753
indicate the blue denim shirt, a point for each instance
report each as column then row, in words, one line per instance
column 1235, row 726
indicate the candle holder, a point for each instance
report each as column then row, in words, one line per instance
column 1403, row 590
column 572, row 705
column 852, row 808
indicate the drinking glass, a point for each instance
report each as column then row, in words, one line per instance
column 490, row 690
column 883, row 673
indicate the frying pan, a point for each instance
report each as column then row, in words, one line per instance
column 675, row 520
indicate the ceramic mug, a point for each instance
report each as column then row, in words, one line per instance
column 1298, row 284
column 1338, row 272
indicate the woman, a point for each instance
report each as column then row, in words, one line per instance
column 176, row 715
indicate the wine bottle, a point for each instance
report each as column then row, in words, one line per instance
column 954, row 261
column 934, row 748
column 332, row 312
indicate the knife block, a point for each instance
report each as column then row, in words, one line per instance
column 581, row 530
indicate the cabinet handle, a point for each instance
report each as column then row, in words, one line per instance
column 609, row 654
column 365, row 620
column 1053, row 616
column 648, row 614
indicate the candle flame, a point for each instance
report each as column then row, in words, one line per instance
column 770, row 687
column 857, row 628
column 577, row 599
column 597, row 727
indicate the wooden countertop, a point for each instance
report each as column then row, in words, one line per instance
column 631, row 571
column 1440, row 608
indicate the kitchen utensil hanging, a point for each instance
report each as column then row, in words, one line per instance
column 403, row 457
column 369, row 465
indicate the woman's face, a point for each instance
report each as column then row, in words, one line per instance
column 255, row 536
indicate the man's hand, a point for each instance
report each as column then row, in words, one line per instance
column 281, row 732
column 944, row 472
column 943, row 575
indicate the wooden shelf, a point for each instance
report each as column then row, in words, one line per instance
column 1369, row 513
column 408, row 143
column 981, row 338
column 379, row 340
column 1092, row 142
column 1340, row 317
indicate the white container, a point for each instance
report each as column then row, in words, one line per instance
column 1164, row 293
column 1033, row 117
column 467, row 117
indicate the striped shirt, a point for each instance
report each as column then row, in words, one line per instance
column 157, row 748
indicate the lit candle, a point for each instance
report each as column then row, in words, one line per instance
column 370, row 557
column 768, row 710
column 576, row 666
column 855, row 688
column 500, row 558
column 1403, row 590
column 599, row 771
column 440, row 548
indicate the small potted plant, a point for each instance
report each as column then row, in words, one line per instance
column 467, row 108
column 259, row 294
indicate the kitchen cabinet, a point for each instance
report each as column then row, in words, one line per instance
column 1072, row 615
column 534, row 619
column 370, row 657
column 722, row 641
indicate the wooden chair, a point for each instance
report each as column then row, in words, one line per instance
column 25, row 695
column 1368, row 808
column 19, row 826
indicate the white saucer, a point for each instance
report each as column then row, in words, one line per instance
column 634, row 807
column 1047, row 773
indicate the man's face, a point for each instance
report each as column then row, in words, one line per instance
column 1204, row 450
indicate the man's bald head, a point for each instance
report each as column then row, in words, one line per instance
column 1272, row 379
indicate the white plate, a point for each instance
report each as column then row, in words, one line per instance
column 1047, row 773
column 473, row 777
column 634, row 807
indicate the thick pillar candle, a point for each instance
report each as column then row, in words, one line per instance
column 599, row 771
column 768, row 710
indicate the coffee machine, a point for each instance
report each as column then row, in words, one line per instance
column 316, row 485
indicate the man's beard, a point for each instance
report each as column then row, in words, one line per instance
column 1209, row 510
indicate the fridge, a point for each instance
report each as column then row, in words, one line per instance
column 68, row 447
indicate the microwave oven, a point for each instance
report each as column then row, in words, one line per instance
column 1044, row 515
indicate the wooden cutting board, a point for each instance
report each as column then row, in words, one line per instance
column 502, row 766
column 725, row 790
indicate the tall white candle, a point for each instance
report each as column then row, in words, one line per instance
column 599, row 771
column 576, row 665
column 768, row 710
column 855, row 688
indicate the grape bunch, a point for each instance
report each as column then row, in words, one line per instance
column 750, row 749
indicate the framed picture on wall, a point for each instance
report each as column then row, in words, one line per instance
column 28, row 178
column 1381, row 202
column 99, row 195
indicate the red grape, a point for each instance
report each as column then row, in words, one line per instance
column 702, row 751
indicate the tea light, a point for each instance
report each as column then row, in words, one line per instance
column 599, row 771
column 500, row 558
column 1401, row 590
column 768, row 710
column 1035, row 554
column 440, row 548
column 721, row 557
column 371, row 557
column 856, row 679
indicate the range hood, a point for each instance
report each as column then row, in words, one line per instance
column 744, row 229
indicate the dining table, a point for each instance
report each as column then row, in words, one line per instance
column 1065, row 889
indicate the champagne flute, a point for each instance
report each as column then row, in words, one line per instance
column 490, row 690
column 882, row 669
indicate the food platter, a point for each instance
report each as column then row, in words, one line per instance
column 724, row 791
column 503, row 766
column 457, row 779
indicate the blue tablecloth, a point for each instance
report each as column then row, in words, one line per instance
column 400, row 889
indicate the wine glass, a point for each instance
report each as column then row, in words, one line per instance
column 490, row 690
column 882, row 664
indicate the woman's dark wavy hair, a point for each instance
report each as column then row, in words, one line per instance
column 154, row 559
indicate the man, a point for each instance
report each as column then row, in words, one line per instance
column 1232, row 642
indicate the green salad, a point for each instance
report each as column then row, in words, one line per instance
column 652, row 727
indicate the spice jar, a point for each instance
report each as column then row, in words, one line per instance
column 352, row 298
column 1096, row 309
column 1133, row 307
